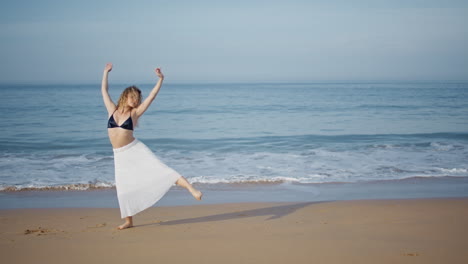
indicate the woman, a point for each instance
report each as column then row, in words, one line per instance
column 141, row 179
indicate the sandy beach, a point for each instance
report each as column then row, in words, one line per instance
column 359, row 231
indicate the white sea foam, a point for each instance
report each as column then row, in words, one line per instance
column 320, row 165
column 454, row 170
column 335, row 163
column 223, row 133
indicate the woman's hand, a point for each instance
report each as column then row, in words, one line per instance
column 159, row 73
column 108, row 67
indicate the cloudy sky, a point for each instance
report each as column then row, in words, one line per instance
column 233, row 41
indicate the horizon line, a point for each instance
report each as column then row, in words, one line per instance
column 239, row 82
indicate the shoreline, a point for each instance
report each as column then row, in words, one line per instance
column 94, row 187
column 361, row 231
column 233, row 193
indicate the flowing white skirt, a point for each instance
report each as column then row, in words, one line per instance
column 141, row 178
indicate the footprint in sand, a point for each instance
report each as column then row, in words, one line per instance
column 98, row 225
column 41, row 231
column 411, row 254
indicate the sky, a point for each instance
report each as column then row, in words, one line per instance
column 233, row 41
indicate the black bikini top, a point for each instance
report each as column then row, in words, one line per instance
column 128, row 124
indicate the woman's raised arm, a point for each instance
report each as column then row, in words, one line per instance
column 110, row 106
column 147, row 102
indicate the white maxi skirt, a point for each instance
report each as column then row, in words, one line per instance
column 141, row 178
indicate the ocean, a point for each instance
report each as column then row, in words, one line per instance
column 307, row 134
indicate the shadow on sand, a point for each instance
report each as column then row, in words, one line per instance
column 274, row 212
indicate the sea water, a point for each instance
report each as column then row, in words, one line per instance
column 55, row 136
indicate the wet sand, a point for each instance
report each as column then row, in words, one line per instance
column 359, row 231
column 413, row 188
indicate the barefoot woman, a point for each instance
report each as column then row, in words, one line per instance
column 141, row 179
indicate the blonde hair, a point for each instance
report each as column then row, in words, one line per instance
column 131, row 90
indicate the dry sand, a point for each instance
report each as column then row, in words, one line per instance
column 365, row 231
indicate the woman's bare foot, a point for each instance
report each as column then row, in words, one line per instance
column 197, row 194
column 184, row 183
column 126, row 225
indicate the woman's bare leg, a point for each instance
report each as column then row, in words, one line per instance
column 184, row 183
column 128, row 223
column 181, row 182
